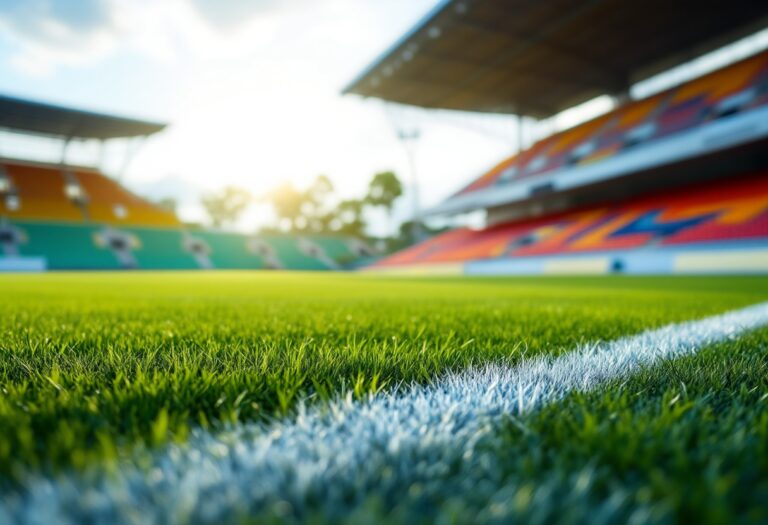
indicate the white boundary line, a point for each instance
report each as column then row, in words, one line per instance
column 325, row 458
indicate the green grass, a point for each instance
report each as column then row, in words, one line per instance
column 94, row 364
column 683, row 442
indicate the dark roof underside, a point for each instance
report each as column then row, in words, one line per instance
column 35, row 117
column 537, row 58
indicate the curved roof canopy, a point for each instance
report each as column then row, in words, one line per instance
column 537, row 58
column 37, row 117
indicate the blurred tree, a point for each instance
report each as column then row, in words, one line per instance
column 316, row 206
column 226, row 206
column 313, row 210
column 287, row 203
column 349, row 218
column 383, row 190
column 169, row 204
column 412, row 232
column 319, row 191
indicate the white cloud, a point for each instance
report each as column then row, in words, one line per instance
column 233, row 13
column 50, row 34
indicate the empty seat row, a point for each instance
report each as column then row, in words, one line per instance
column 48, row 192
column 718, row 212
column 67, row 246
column 734, row 89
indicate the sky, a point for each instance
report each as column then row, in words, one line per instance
column 251, row 90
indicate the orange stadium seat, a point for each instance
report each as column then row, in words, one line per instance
column 40, row 195
column 40, row 192
column 109, row 202
column 741, row 85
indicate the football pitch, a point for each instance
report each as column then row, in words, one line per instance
column 356, row 398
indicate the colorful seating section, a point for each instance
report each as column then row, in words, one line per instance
column 49, row 192
column 36, row 192
column 108, row 202
column 80, row 219
column 85, row 246
column 724, row 211
column 740, row 87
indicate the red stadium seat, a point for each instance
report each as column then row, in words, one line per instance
column 721, row 211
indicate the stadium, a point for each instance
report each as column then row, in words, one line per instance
column 64, row 217
column 577, row 335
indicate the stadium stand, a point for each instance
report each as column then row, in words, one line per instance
column 63, row 217
column 73, row 246
column 738, row 88
column 718, row 212
column 675, row 182
column 292, row 253
column 231, row 250
column 36, row 191
column 109, row 202
column 52, row 192
column 343, row 250
column 65, row 246
column 160, row 249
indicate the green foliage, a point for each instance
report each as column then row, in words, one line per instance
column 319, row 191
column 287, row 203
column 383, row 190
column 317, row 210
column 169, row 204
column 92, row 365
column 412, row 232
column 309, row 210
column 350, row 218
column 226, row 206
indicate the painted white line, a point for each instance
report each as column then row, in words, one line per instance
column 326, row 459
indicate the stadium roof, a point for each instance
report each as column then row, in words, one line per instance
column 36, row 117
column 538, row 58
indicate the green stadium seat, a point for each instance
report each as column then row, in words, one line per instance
column 66, row 246
column 291, row 255
column 229, row 250
column 77, row 246
column 162, row 249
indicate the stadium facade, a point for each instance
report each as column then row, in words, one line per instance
column 60, row 216
column 673, row 183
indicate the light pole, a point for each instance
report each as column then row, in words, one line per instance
column 408, row 137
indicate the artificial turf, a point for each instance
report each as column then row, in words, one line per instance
column 94, row 364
